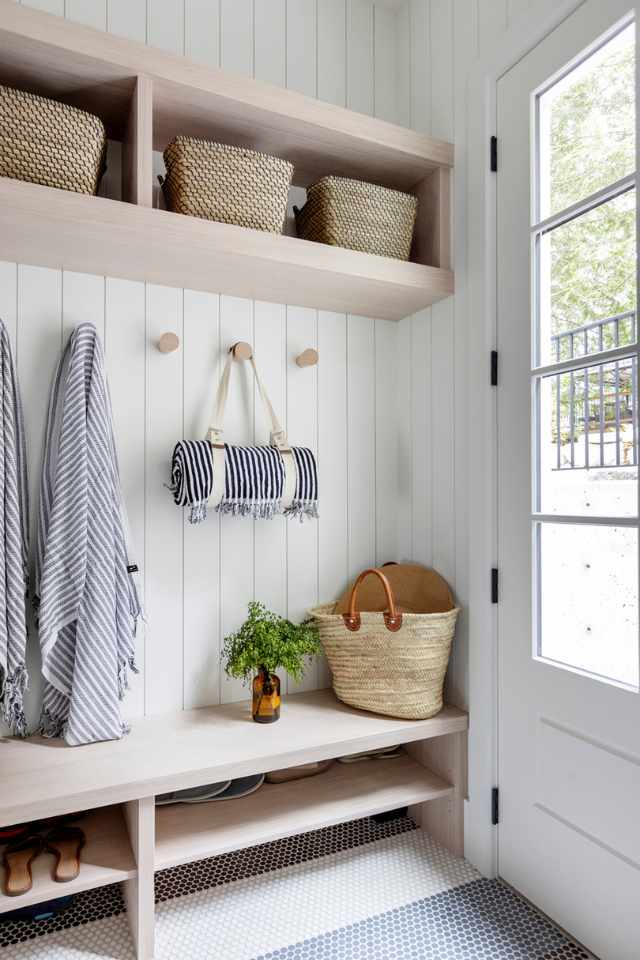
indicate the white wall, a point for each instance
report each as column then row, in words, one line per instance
column 198, row 580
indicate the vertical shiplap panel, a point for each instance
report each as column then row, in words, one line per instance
column 201, row 349
column 385, row 50
column 47, row 6
column 128, row 18
column 386, row 441
column 404, row 489
column 301, row 46
column 443, row 519
column 202, row 31
column 125, row 343
column 332, row 51
column 82, row 302
column 163, row 565
column 236, row 533
column 302, row 428
column 442, row 59
column 93, row 13
column 361, row 427
column 404, row 78
column 270, row 350
column 492, row 22
column 270, row 32
column 420, row 55
column 9, row 299
column 360, row 55
column 423, row 410
column 333, row 528
column 165, row 25
column 38, row 351
column 236, row 36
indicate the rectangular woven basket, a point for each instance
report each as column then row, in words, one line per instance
column 358, row 216
column 216, row 181
column 43, row 141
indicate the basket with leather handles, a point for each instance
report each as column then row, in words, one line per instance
column 390, row 659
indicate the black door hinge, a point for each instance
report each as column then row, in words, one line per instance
column 494, row 368
column 494, row 584
column 495, row 806
column 493, row 155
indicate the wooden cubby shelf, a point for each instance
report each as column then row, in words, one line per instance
column 146, row 97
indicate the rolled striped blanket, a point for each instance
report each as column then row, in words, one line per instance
column 254, row 481
column 86, row 592
column 14, row 523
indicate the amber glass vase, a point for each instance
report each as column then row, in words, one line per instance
column 266, row 697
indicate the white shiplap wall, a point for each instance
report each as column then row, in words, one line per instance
column 198, row 580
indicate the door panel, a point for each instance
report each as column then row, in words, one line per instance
column 569, row 708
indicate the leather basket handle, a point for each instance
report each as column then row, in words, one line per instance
column 392, row 619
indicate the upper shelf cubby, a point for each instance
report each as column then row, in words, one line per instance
column 146, row 97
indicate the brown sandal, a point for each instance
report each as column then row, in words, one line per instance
column 17, row 859
column 65, row 843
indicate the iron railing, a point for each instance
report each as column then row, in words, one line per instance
column 594, row 416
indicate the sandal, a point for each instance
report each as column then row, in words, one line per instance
column 65, row 843
column 17, row 859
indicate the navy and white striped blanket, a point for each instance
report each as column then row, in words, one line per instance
column 87, row 599
column 254, row 480
column 14, row 524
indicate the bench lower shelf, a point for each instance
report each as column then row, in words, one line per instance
column 187, row 832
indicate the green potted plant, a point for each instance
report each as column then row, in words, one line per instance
column 264, row 643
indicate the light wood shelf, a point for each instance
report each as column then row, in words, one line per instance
column 146, row 97
column 186, row 749
column 106, row 858
column 187, row 832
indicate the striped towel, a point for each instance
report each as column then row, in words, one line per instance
column 86, row 593
column 14, row 524
column 254, row 479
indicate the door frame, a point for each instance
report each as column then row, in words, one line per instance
column 476, row 248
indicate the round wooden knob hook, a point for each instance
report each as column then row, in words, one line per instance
column 168, row 342
column 308, row 358
column 242, row 350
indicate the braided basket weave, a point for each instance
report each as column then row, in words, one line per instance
column 358, row 216
column 216, row 181
column 393, row 663
column 43, row 141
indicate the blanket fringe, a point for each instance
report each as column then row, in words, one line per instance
column 51, row 727
column 126, row 664
column 257, row 509
column 13, row 713
column 303, row 510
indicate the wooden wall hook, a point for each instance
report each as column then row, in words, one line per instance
column 308, row 358
column 242, row 350
column 168, row 342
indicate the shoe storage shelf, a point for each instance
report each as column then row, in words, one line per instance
column 146, row 97
column 128, row 839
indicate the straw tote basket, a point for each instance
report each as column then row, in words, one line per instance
column 215, row 181
column 391, row 662
column 43, row 141
column 358, row 216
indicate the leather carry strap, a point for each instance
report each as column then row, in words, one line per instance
column 216, row 429
column 392, row 619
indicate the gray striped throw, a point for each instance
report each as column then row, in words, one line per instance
column 88, row 603
column 14, row 524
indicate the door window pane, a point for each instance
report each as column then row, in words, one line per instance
column 587, row 282
column 588, row 441
column 587, row 126
column 588, row 598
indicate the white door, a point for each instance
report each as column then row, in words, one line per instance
column 569, row 705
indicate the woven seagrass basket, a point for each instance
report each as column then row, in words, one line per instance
column 358, row 216
column 215, row 181
column 391, row 662
column 50, row 143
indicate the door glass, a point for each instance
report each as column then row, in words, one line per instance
column 589, row 598
column 585, row 400
column 587, row 126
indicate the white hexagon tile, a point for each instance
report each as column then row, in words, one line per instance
column 358, row 891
